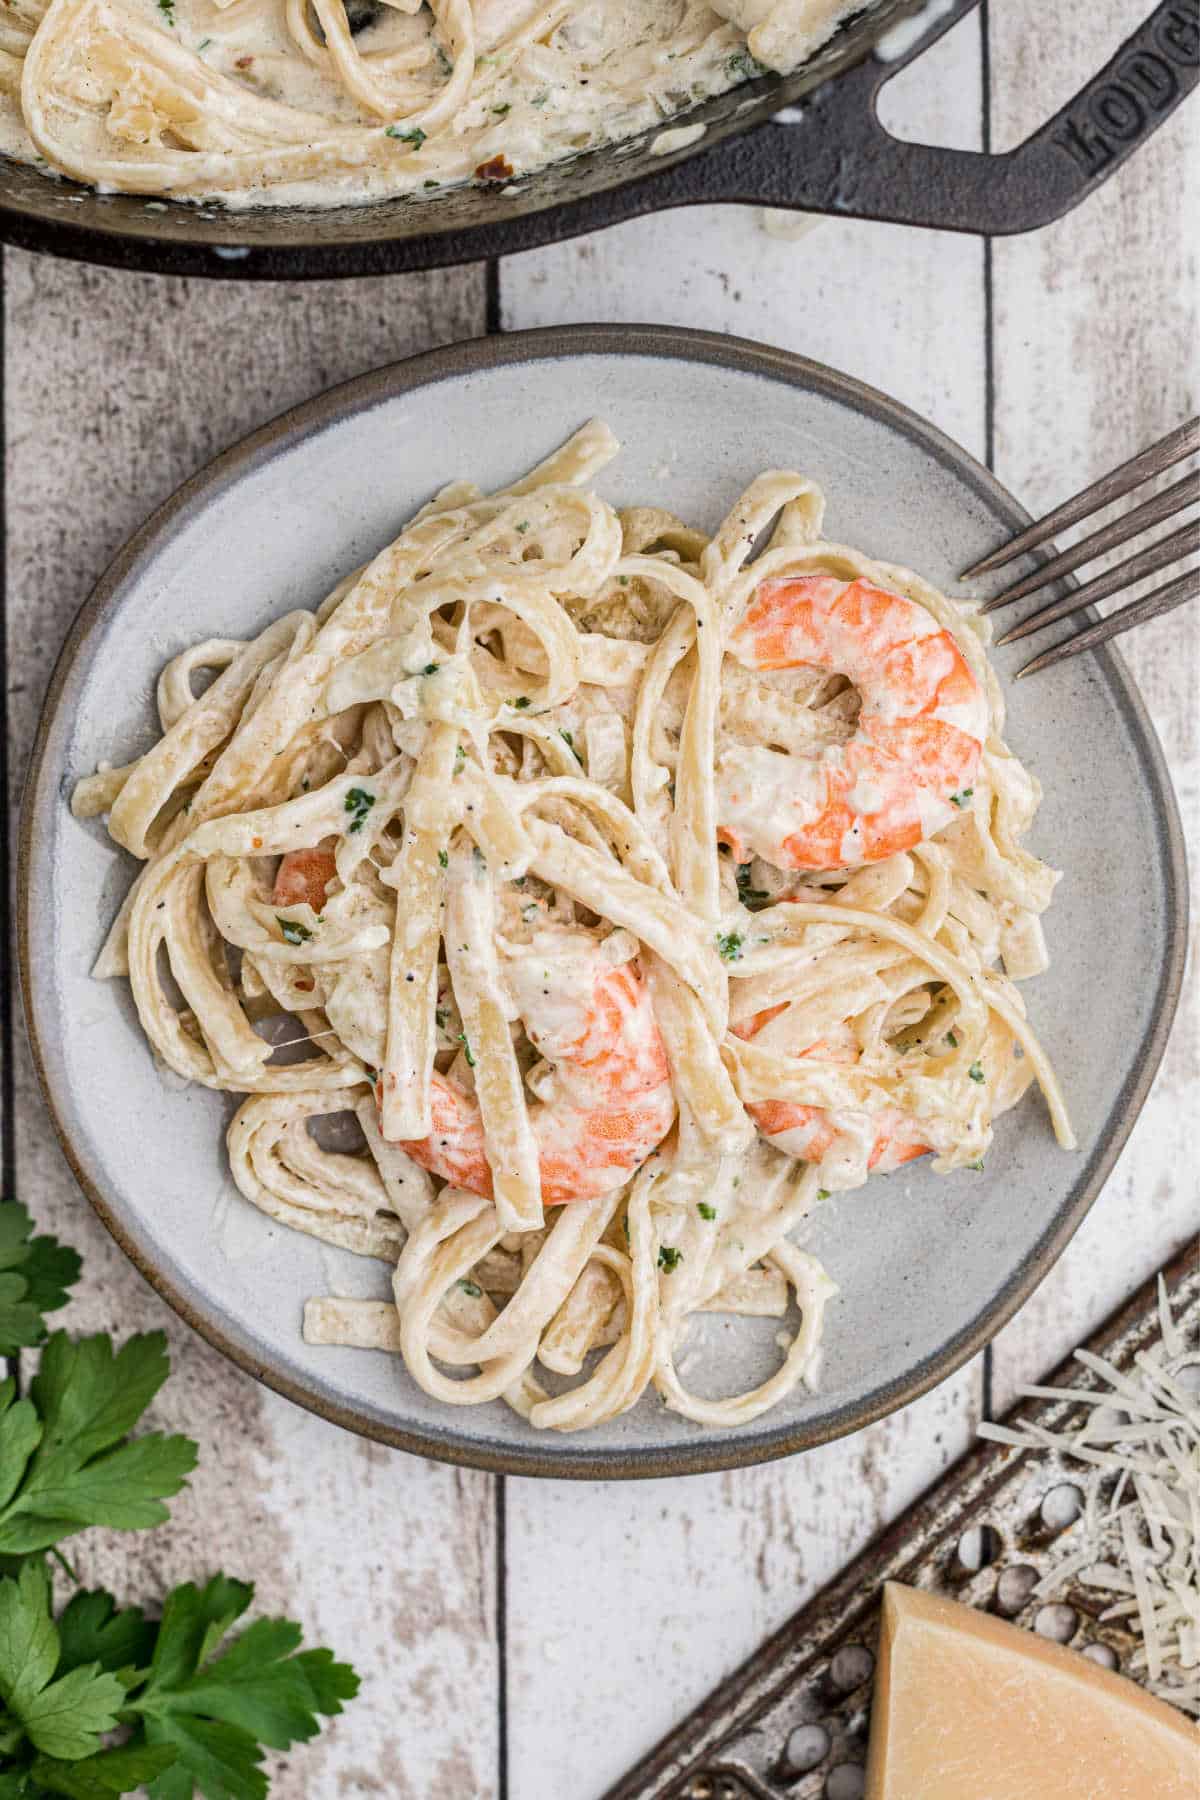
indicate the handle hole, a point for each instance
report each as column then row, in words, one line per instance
column 935, row 99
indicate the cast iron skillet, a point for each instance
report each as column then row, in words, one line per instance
column 837, row 158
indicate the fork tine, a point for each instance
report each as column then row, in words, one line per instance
column 1149, row 561
column 1177, row 444
column 1150, row 606
column 1181, row 494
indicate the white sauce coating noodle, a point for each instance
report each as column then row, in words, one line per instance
column 463, row 833
column 329, row 102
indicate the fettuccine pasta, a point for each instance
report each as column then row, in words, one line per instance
column 332, row 102
column 629, row 890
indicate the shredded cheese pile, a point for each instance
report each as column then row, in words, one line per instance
column 1143, row 1542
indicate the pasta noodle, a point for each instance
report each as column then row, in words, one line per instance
column 609, row 1025
column 332, row 102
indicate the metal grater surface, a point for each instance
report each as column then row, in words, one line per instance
column 791, row 1723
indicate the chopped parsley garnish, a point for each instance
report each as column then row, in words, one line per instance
column 445, row 66
column 669, row 1258
column 705, row 1210
column 569, row 741
column 467, row 1051
column 358, row 804
column 976, row 1071
column 443, row 859
column 521, row 702
column 460, row 757
column 961, row 799
column 744, row 66
column 431, row 668
column 293, row 931
column 976, row 1165
column 751, row 897
column 501, row 112
column 952, row 1040
column 729, row 946
column 415, row 137
column 822, row 1193
column 167, row 9
column 471, row 1287
column 523, row 527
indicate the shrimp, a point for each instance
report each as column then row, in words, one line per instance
column 908, row 768
column 605, row 1096
column 809, row 1132
column 303, row 876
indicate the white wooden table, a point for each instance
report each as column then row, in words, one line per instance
column 531, row 1639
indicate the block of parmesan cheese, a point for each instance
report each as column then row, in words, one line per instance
column 968, row 1707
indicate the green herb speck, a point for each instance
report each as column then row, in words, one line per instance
column 669, row 1258
column 976, row 1071
column 729, row 946
column 705, row 1210
column 293, row 932
column 961, row 799
column 415, row 137
column 358, row 804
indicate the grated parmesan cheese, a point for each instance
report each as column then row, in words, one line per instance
column 1143, row 1544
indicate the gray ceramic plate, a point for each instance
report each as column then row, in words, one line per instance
column 929, row 1267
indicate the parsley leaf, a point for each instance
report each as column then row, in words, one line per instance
column 35, row 1273
column 729, row 946
column 293, row 931
column 63, row 1717
column 219, row 1709
column 669, row 1258
column 358, row 804
column 415, row 137
column 976, row 1071
column 91, row 1630
column 110, row 1772
column 705, row 1210
column 960, row 799
column 66, row 1461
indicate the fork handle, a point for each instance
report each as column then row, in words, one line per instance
column 840, row 158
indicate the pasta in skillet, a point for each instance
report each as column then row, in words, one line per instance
column 332, row 102
column 633, row 889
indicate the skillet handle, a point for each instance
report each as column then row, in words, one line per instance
column 839, row 158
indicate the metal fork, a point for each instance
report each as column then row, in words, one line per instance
column 1182, row 542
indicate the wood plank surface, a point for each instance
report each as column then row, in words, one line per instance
column 622, row 1605
column 117, row 388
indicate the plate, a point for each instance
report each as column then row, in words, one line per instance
column 929, row 1267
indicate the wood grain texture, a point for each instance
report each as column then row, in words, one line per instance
column 624, row 1604
column 118, row 387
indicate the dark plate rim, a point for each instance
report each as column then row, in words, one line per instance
column 464, row 359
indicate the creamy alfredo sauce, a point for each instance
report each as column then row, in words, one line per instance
column 242, row 100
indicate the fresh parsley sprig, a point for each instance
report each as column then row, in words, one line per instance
column 66, row 1458
column 196, row 1708
column 35, row 1273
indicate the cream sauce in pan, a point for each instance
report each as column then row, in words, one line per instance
column 330, row 102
